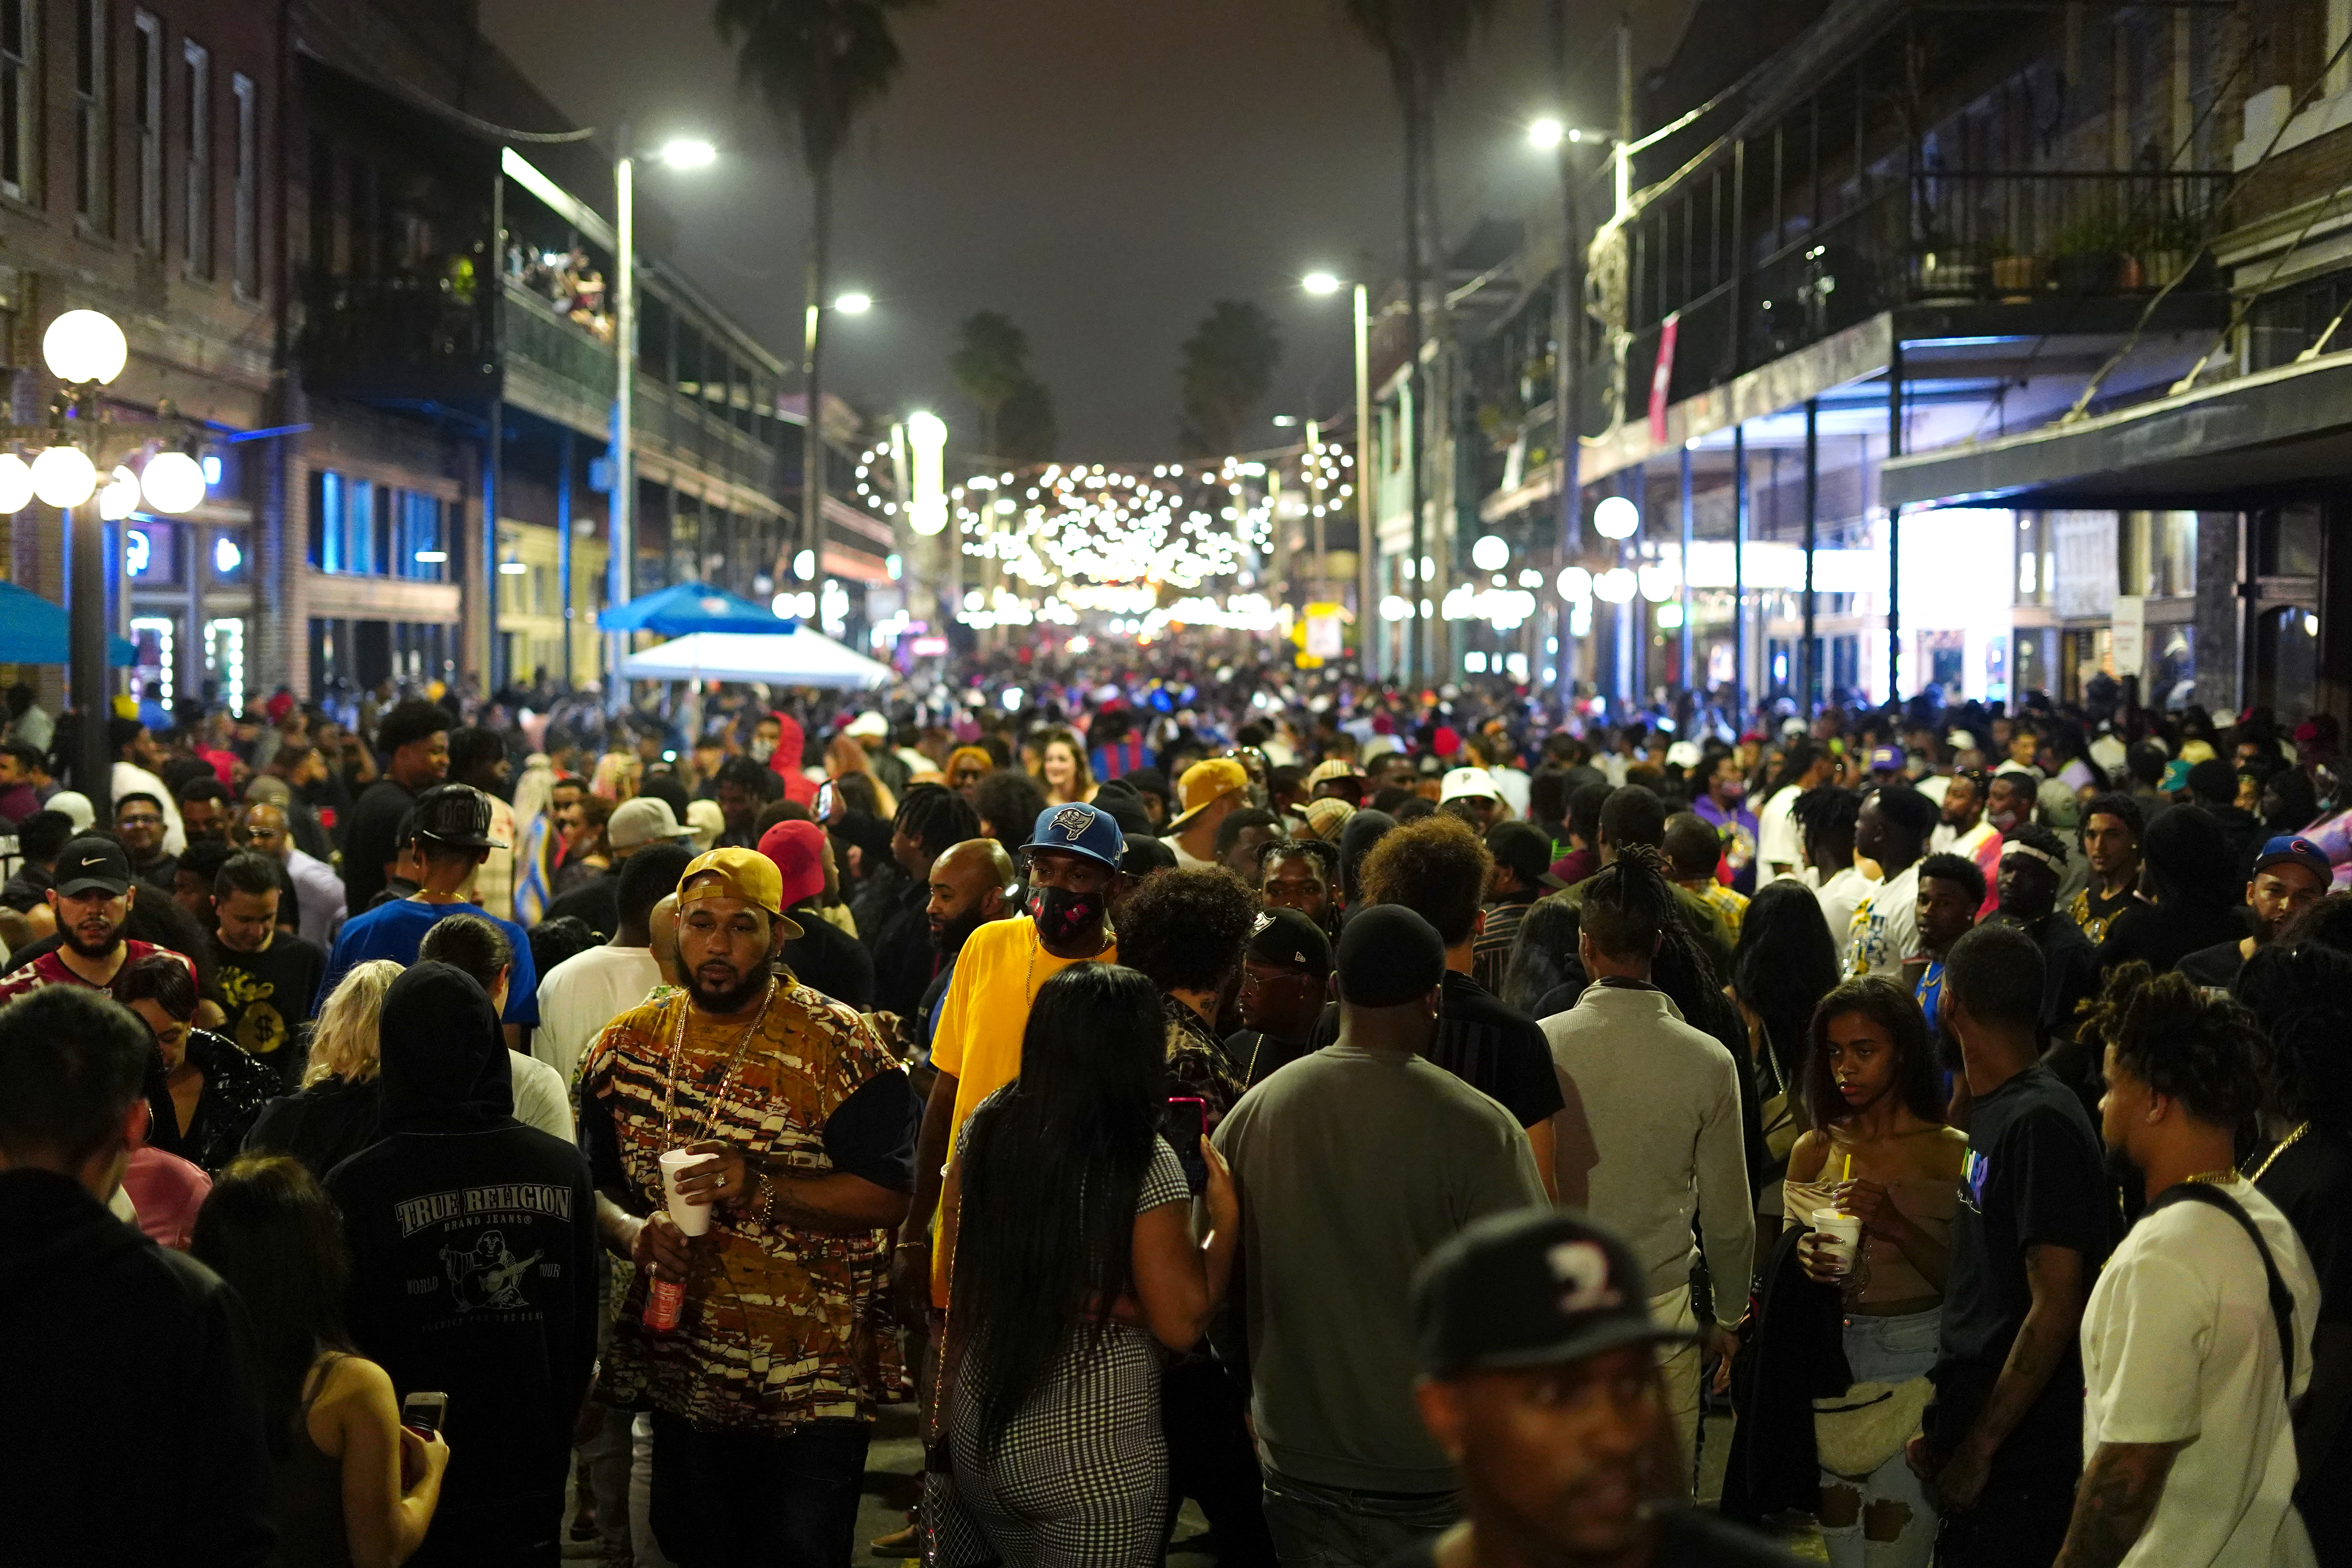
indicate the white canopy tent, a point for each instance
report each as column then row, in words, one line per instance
column 799, row 657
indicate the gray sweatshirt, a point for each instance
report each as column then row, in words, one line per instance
column 1651, row 1137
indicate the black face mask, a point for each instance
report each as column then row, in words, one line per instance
column 1064, row 915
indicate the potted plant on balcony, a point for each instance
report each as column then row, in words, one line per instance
column 2168, row 245
column 2016, row 277
column 2089, row 257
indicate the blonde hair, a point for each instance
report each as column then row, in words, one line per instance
column 343, row 1042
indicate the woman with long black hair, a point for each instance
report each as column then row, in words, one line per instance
column 1786, row 963
column 349, row 1484
column 1067, row 1222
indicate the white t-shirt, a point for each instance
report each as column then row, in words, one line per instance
column 1885, row 927
column 1840, row 897
column 2179, row 1346
column 1777, row 838
column 541, row 1100
column 1184, row 857
column 584, row 993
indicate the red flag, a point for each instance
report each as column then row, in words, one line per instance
column 1662, row 377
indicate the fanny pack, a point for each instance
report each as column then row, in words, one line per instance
column 1859, row 1430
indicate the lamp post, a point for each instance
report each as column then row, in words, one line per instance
column 812, row 453
column 85, row 350
column 681, row 153
column 1367, row 548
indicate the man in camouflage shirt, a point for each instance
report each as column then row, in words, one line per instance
column 762, row 1396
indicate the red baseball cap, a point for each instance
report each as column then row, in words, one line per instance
column 798, row 849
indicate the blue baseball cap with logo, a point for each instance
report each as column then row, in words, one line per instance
column 2293, row 849
column 1079, row 829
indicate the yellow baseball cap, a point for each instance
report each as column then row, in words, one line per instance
column 1206, row 782
column 737, row 873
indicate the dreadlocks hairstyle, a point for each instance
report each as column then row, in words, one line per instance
column 936, row 817
column 1827, row 812
column 2204, row 1051
column 1629, row 904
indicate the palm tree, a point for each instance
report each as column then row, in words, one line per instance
column 1421, row 40
column 990, row 366
column 1228, row 365
column 818, row 64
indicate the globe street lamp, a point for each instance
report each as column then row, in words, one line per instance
column 85, row 350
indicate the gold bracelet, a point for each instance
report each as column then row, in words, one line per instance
column 763, row 1209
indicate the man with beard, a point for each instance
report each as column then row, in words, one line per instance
column 931, row 821
column 808, row 1119
column 2003, row 1443
column 2291, row 874
column 90, row 899
column 1539, row 1381
column 2197, row 1341
column 741, row 789
column 1964, row 829
column 1073, row 856
column 972, row 883
column 2032, row 863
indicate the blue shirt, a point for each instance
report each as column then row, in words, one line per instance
column 395, row 930
column 1929, row 994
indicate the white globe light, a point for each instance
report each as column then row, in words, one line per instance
column 1670, row 617
column 1616, row 518
column 804, row 565
column 1658, row 583
column 1615, row 586
column 1490, row 553
column 119, row 499
column 1394, row 608
column 15, row 483
column 782, row 606
column 1575, row 584
column 174, row 483
column 63, row 475
column 1545, row 134
column 84, row 345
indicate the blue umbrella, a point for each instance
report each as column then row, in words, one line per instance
column 34, row 631
column 685, row 608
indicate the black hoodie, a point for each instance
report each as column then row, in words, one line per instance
column 475, row 1261
column 130, row 1423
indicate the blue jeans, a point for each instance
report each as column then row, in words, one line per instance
column 1331, row 1527
column 725, row 1498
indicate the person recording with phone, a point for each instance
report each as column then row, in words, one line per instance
column 350, row 1480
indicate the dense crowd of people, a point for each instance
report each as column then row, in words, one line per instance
column 1415, row 1128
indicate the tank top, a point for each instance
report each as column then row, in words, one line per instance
column 306, row 1500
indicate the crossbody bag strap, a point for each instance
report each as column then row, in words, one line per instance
column 2282, row 1299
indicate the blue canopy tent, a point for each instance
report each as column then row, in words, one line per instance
column 685, row 608
column 34, row 631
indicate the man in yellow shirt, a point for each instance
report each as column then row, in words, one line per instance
column 1073, row 867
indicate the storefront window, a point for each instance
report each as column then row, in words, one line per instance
column 358, row 526
column 224, row 660
column 2287, row 655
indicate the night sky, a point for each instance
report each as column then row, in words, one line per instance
column 1100, row 169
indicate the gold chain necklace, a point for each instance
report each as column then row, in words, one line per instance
column 719, row 1096
column 2283, row 1145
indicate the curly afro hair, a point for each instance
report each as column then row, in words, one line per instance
column 1436, row 868
column 1185, row 929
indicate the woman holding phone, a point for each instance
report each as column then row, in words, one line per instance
column 349, row 1484
column 1879, row 1153
column 1068, row 1229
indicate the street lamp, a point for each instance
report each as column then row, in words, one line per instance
column 1329, row 283
column 854, row 304
column 85, row 350
column 679, row 152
